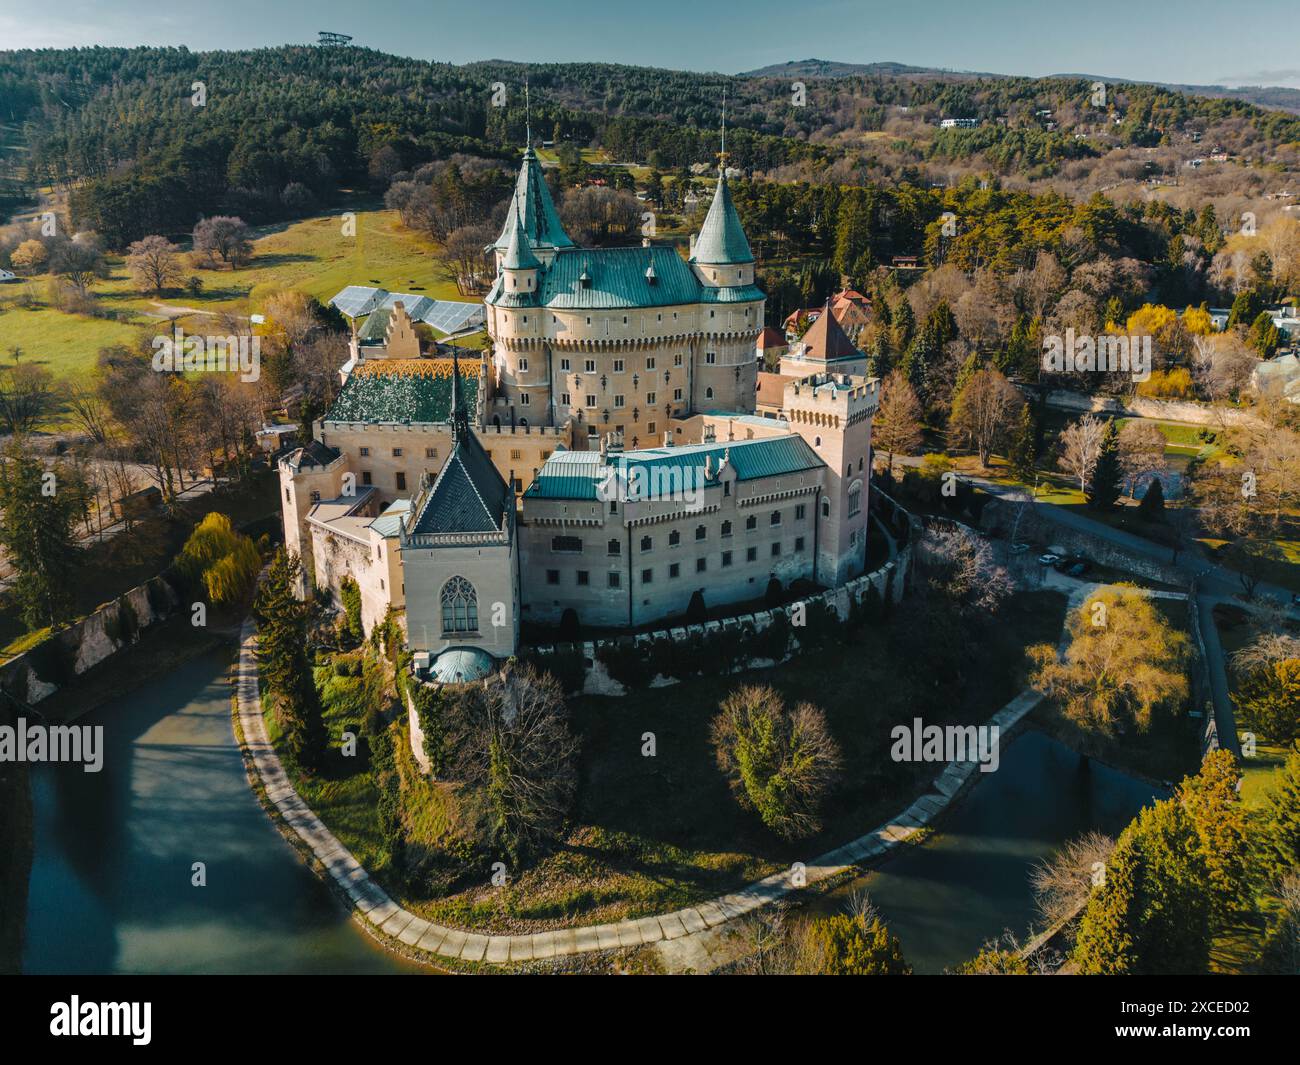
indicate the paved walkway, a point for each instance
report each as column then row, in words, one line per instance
column 374, row 905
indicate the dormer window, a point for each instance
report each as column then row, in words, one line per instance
column 584, row 279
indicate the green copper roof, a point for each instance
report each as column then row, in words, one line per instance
column 532, row 199
column 519, row 256
column 722, row 238
column 385, row 396
column 576, row 474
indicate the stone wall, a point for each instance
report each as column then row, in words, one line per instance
column 1141, row 407
column 51, row 664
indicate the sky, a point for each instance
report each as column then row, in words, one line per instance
column 1184, row 41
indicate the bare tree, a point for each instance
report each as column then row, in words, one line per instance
column 1141, row 453
column 223, row 237
column 465, row 261
column 1063, row 882
column 959, row 564
column 154, row 264
column 897, row 425
column 29, row 397
column 985, row 410
column 1081, row 447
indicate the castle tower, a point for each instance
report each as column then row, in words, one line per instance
column 534, row 206
column 833, row 413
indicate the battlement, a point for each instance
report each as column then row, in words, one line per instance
column 843, row 396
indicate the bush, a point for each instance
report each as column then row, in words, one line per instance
column 350, row 594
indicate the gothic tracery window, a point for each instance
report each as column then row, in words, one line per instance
column 459, row 606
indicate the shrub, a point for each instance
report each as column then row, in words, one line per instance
column 350, row 594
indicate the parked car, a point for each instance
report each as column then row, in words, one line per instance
column 1074, row 566
column 1019, row 549
column 1048, row 559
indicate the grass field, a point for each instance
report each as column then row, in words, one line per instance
column 311, row 256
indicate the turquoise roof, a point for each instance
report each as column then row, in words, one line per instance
column 385, row 396
column 389, row 523
column 457, row 665
column 532, row 199
column 576, row 474
column 519, row 256
column 722, row 237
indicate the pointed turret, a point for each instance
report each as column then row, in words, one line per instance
column 519, row 253
column 532, row 200
column 722, row 240
column 459, row 413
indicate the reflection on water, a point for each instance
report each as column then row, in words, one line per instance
column 111, row 877
column 946, row 898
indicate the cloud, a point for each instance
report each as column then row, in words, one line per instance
column 1285, row 78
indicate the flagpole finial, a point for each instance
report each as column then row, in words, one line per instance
column 528, row 116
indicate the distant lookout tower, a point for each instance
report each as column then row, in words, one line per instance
column 332, row 40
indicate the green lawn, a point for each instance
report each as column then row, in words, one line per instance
column 312, row 256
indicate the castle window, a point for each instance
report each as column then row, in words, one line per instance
column 701, row 532
column 800, row 512
column 674, row 538
column 650, row 360
column 798, row 543
column 552, row 576
column 614, row 579
column 397, row 452
column 618, row 364
column 567, row 544
column 708, row 393
column 776, row 549
column 710, row 357
column 751, row 523
column 647, row 544
column 675, row 570
column 401, row 481
column 618, row 402
column 525, row 399
column 590, row 365
column 677, row 359
column 523, row 424
column 726, row 488
column 726, row 528
column 564, row 398
column 776, row 517
column 315, row 496
column 817, row 441
column 855, row 498
column 584, row 578
column 650, row 426
column 516, row 453
column 523, row 363
column 751, row 553
column 726, row 559
column 365, row 451
column 591, row 404
column 701, row 564
column 459, row 606
column 614, row 547
column 677, row 395
column 826, row 508
column 647, row 575
column 365, row 477
column 650, row 398
column 859, row 464
column 564, row 364
column 430, row 452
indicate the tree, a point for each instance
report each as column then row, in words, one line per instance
column 1152, row 507
column 984, row 410
column 1268, row 700
column 79, row 261
column 1264, row 337
column 897, row 425
column 1104, row 489
column 1151, row 914
column 1141, row 452
column 1279, row 837
column 223, row 237
column 1213, row 802
column 854, row 945
column 959, row 564
column 39, row 508
column 154, row 264
column 1080, row 449
column 513, row 744
column 1063, row 882
column 779, row 764
column 1023, row 453
column 1123, row 662
column 29, row 257
column 28, row 398
column 282, row 627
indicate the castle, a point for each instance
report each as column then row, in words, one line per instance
column 604, row 464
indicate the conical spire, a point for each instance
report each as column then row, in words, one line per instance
column 519, row 253
column 532, row 199
column 722, row 238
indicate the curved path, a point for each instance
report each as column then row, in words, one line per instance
column 417, row 935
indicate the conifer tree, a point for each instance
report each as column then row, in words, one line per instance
column 1279, row 841
column 39, row 509
column 1104, row 488
column 1152, row 507
column 1024, row 446
column 282, row 643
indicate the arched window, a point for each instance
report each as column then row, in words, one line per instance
column 855, row 498
column 459, row 606
column 826, row 508
column 708, row 393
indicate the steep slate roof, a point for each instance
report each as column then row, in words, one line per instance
column 313, row 453
column 532, row 199
column 576, row 474
column 826, row 340
column 722, row 237
column 401, row 390
column 519, row 256
column 469, row 494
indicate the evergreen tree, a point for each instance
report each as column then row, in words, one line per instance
column 282, row 622
column 1279, row 840
column 40, row 507
column 845, row 945
column 903, row 325
column 1107, row 478
column 916, row 364
column 879, row 360
column 1152, row 507
column 1214, row 804
column 1264, row 336
column 1024, row 446
column 1245, row 308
